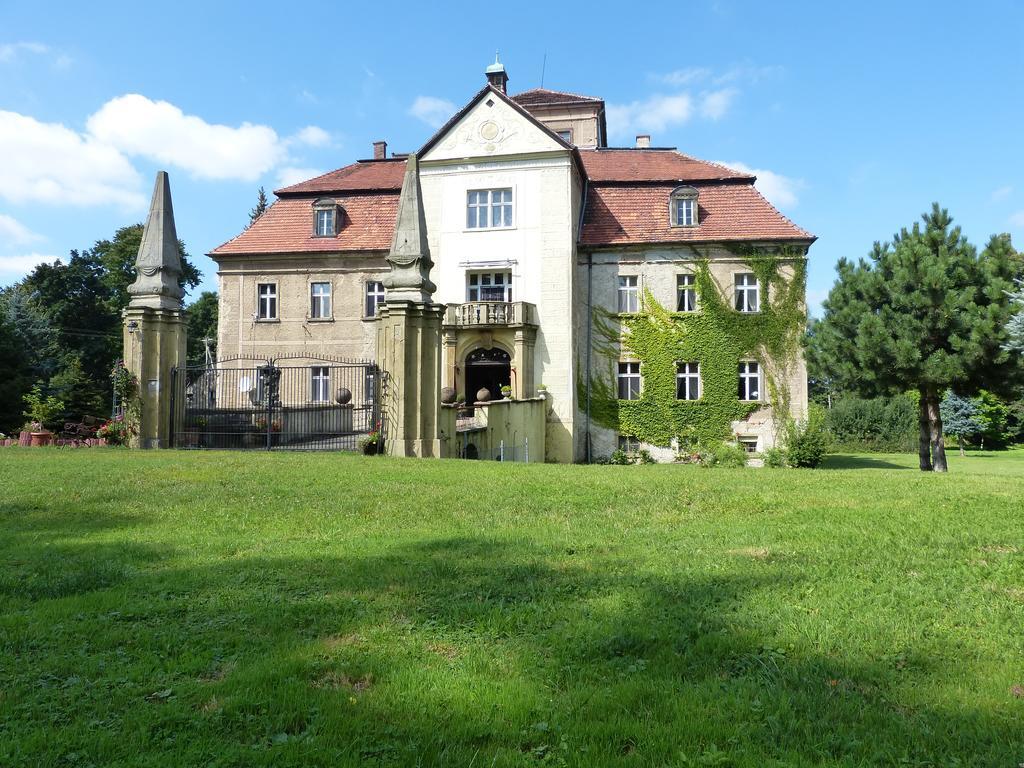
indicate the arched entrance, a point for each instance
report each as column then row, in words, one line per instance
column 487, row 369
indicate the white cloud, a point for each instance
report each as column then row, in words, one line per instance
column 48, row 163
column 313, row 136
column 10, row 51
column 291, row 175
column 653, row 114
column 780, row 190
column 160, row 131
column 432, row 110
column 19, row 266
column 13, row 232
column 1017, row 219
column 715, row 104
column 688, row 76
column 1001, row 193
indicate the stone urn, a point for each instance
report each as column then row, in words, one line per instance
column 41, row 438
column 483, row 395
column 448, row 395
column 343, row 396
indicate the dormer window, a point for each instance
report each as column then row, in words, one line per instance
column 325, row 218
column 683, row 207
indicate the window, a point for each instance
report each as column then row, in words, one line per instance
column 748, row 444
column 565, row 135
column 489, row 286
column 749, row 381
column 321, row 379
column 683, row 207
column 687, row 381
column 629, row 296
column 489, row 209
column 629, row 381
column 748, row 297
column 374, row 297
column 628, row 444
column 267, row 304
column 686, row 293
column 319, row 301
column 326, row 222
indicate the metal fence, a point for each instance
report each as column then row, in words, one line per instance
column 293, row 403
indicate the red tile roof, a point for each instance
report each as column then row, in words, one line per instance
column 630, row 214
column 539, row 97
column 364, row 175
column 368, row 223
column 649, row 165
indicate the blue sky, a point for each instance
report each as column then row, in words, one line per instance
column 854, row 116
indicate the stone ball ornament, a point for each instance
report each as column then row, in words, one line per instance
column 483, row 395
column 448, row 395
column 343, row 396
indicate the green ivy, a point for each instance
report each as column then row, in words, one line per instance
column 717, row 337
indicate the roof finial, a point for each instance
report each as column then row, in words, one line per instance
column 496, row 74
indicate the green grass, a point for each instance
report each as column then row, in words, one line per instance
column 229, row 609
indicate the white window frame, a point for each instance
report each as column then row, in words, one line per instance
column 321, row 304
column 480, row 210
column 373, row 291
column 629, row 294
column 745, row 377
column 267, row 298
column 748, row 443
column 320, row 384
column 475, row 285
column 566, row 139
column 747, row 293
column 686, row 292
column 683, row 208
column 688, row 380
column 629, row 374
column 325, row 222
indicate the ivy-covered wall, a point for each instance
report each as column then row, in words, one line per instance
column 716, row 336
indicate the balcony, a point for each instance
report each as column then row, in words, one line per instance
column 491, row 314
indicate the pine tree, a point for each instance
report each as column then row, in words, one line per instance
column 960, row 417
column 260, row 209
column 925, row 312
column 1015, row 328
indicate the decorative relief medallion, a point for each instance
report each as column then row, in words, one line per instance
column 484, row 135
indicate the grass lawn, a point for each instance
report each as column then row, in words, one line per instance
column 229, row 609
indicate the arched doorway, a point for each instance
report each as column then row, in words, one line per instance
column 487, row 369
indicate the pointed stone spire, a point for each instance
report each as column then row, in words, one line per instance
column 159, row 261
column 410, row 254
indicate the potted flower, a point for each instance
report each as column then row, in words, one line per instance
column 41, row 411
column 117, row 431
column 506, row 392
column 542, row 390
column 371, row 444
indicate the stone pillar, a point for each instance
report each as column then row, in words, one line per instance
column 155, row 323
column 409, row 333
column 409, row 352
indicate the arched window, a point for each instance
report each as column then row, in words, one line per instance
column 683, row 210
column 326, row 213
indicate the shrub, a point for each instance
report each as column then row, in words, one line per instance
column 644, row 457
column 620, row 457
column 884, row 424
column 723, row 455
column 806, row 441
column 42, row 410
column 774, row 458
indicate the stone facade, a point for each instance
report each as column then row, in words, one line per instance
column 518, row 296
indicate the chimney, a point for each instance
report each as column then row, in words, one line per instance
column 380, row 150
column 643, row 141
column 496, row 75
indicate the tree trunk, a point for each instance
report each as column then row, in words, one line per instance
column 924, row 433
column 960, row 441
column 935, row 425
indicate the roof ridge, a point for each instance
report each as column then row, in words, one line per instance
column 307, row 181
column 723, row 166
column 560, row 93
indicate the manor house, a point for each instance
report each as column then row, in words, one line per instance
column 651, row 298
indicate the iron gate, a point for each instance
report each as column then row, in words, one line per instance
column 285, row 403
